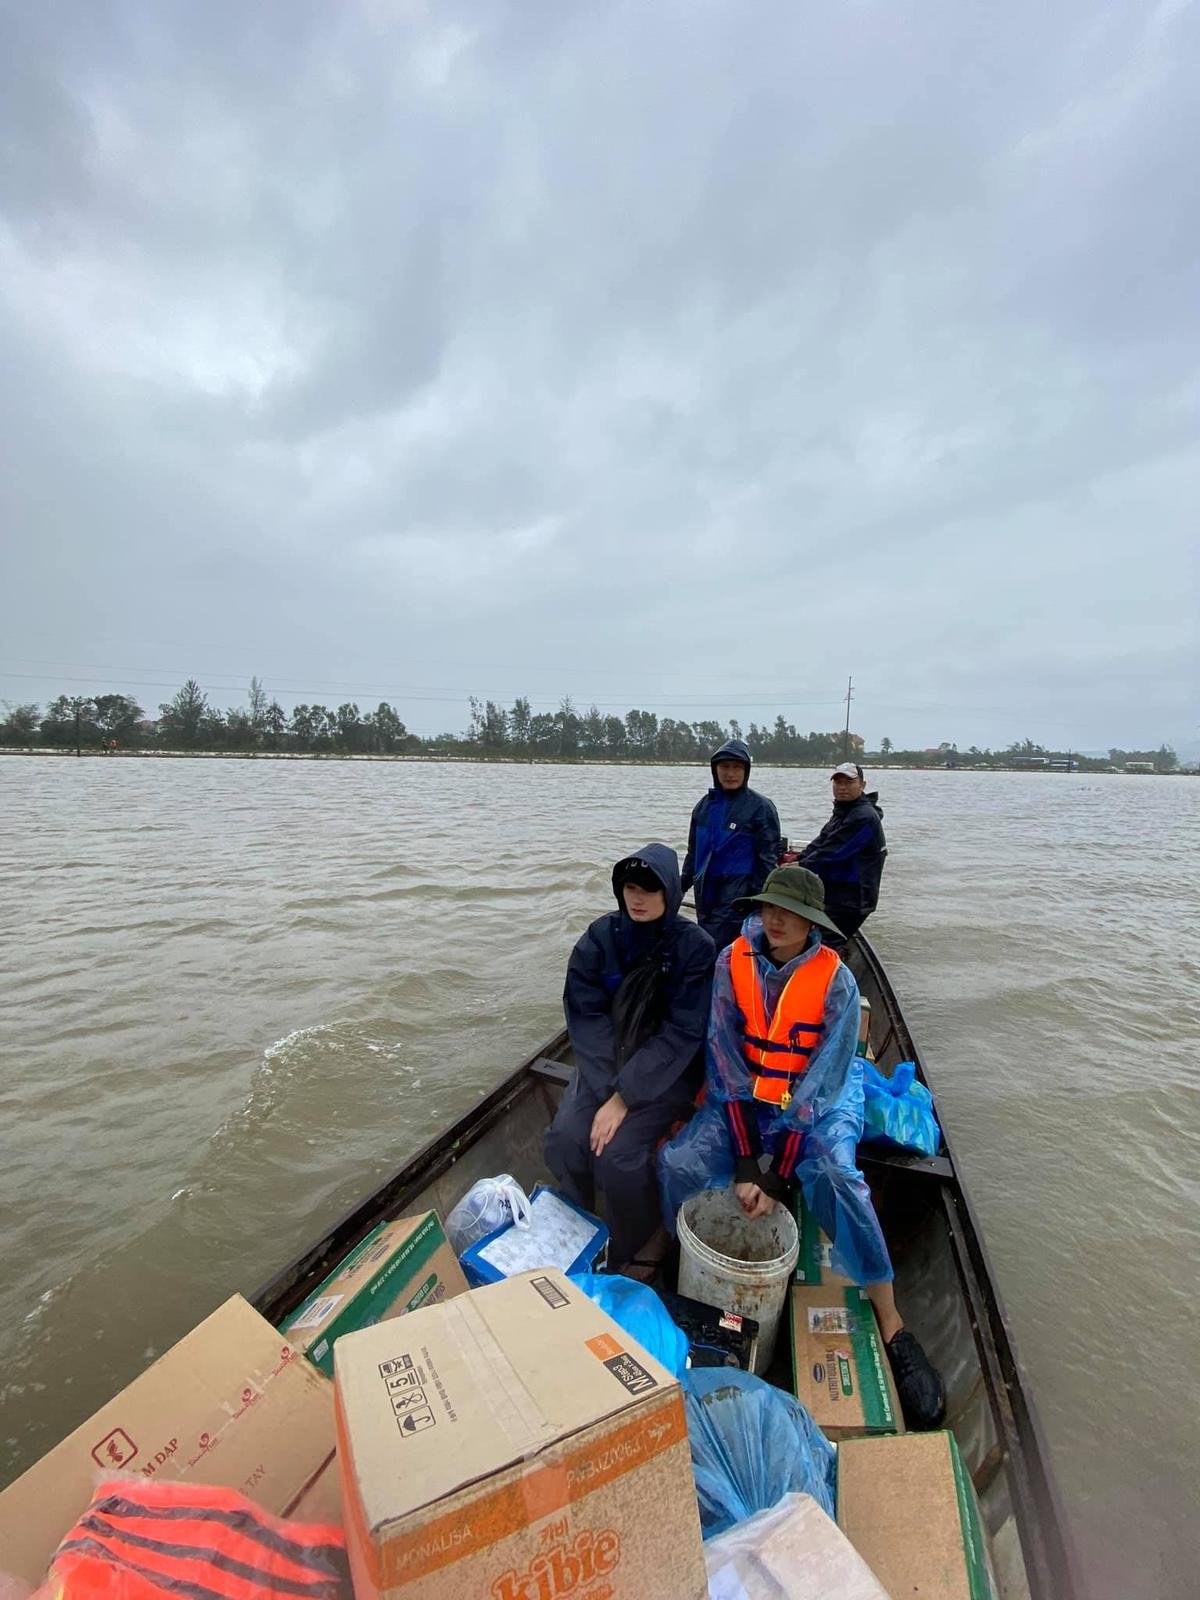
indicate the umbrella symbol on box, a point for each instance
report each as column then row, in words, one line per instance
column 415, row 1421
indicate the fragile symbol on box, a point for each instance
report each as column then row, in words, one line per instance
column 115, row 1449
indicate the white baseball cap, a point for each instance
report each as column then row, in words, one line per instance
column 848, row 769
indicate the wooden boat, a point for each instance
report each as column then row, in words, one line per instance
column 944, row 1282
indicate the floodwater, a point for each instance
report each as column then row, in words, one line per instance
column 236, row 993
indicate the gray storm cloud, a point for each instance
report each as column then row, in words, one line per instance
column 689, row 356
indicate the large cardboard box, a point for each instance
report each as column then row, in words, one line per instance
column 814, row 1261
column 514, row 1444
column 839, row 1365
column 908, row 1507
column 396, row 1268
column 231, row 1404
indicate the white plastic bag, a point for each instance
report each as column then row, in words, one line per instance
column 791, row 1552
column 489, row 1204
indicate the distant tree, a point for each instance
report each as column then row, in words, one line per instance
column 543, row 734
column 593, row 737
column 885, row 748
column 568, row 727
column 348, row 731
column 180, row 719
column 274, row 723
column 735, row 729
column 520, row 720
column 257, row 699
column 117, row 716
column 388, row 733
column 1165, row 759
column 240, row 732
column 641, row 732
column 615, row 737
column 20, row 726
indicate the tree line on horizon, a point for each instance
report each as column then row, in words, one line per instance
column 189, row 722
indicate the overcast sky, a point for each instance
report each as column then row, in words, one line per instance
column 691, row 356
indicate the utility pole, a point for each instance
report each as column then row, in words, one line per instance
column 846, row 736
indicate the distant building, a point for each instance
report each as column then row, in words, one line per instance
column 1021, row 763
column 1140, row 766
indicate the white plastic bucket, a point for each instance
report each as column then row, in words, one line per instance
column 730, row 1261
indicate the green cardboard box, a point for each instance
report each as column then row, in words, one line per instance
column 396, row 1268
column 840, row 1369
column 813, row 1262
column 909, row 1509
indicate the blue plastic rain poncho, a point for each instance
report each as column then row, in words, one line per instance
column 811, row 1141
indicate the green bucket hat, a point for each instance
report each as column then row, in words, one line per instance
column 794, row 889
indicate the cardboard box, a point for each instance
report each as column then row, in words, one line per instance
column 231, row 1404
column 814, row 1263
column 322, row 1500
column 396, row 1268
column 516, row 1444
column 840, row 1369
column 908, row 1507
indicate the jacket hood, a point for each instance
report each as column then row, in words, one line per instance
column 731, row 750
column 664, row 864
column 870, row 796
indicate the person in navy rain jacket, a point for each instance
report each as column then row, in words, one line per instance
column 733, row 843
column 848, row 853
column 636, row 999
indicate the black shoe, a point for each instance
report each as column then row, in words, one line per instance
column 918, row 1383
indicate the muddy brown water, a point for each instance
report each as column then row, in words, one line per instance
column 237, row 994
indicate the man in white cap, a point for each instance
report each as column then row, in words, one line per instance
column 848, row 853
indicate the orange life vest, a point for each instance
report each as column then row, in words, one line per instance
column 169, row 1540
column 779, row 1052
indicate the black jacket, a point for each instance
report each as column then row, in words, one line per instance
column 848, row 855
column 611, row 949
column 733, row 843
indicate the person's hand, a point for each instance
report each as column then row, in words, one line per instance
column 606, row 1122
column 755, row 1202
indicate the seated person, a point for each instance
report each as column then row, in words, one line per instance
column 636, row 999
column 782, row 1082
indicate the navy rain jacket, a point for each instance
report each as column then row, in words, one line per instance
column 732, row 844
column 848, row 855
column 611, row 947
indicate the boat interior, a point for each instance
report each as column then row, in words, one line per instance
column 944, row 1286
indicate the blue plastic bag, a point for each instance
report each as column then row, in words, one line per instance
column 751, row 1445
column 898, row 1110
column 641, row 1313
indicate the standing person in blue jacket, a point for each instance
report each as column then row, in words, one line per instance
column 784, row 1108
column 848, row 853
column 733, row 843
column 636, row 1001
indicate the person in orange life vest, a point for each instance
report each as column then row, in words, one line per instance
column 783, row 1083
